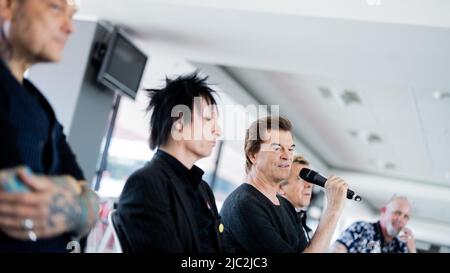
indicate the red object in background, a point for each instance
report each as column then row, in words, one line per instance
column 105, row 208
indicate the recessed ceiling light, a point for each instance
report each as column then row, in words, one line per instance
column 373, row 138
column 382, row 164
column 369, row 137
column 350, row 96
column 326, row 92
column 353, row 133
column 389, row 166
column 441, row 95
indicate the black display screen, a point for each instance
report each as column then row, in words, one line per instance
column 123, row 66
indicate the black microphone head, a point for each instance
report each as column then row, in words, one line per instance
column 315, row 178
column 307, row 175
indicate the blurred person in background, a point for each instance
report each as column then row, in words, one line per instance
column 382, row 236
column 45, row 202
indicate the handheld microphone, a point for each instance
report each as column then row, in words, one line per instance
column 315, row 178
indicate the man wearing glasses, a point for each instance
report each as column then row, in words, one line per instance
column 256, row 218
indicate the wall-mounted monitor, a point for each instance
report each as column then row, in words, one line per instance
column 123, row 65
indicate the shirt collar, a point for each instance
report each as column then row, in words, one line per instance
column 26, row 84
column 6, row 72
column 193, row 175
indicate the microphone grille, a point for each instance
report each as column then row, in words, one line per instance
column 307, row 174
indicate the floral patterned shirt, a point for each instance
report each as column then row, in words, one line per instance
column 364, row 237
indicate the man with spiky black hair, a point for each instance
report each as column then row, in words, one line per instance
column 166, row 206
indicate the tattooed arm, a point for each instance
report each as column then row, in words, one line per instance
column 89, row 205
column 56, row 205
column 80, row 213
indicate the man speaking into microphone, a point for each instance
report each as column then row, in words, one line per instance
column 256, row 218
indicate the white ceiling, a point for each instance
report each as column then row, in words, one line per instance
column 411, row 123
column 394, row 56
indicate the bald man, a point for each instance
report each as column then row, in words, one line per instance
column 382, row 236
column 55, row 205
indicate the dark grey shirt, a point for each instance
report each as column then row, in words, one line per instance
column 253, row 224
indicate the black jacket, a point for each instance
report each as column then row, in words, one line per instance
column 154, row 213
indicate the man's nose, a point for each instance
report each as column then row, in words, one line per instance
column 68, row 25
column 285, row 154
column 403, row 220
column 217, row 130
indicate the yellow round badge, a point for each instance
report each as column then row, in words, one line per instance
column 221, row 227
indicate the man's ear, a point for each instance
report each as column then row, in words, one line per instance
column 179, row 125
column 253, row 158
column 177, row 130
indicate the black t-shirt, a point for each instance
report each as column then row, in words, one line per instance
column 253, row 224
column 300, row 220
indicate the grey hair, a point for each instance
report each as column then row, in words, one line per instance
column 399, row 197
